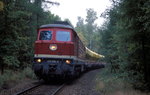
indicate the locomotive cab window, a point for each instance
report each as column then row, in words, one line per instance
column 63, row 36
column 45, row 35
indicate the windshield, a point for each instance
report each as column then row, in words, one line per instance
column 63, row 36
column 45, row 35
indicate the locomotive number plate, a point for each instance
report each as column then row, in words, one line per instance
column 53, row 61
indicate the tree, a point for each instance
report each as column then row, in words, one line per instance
column 125, row 38
column 21, row 19
column 89, row 30
column 90, row 27
column 81, row 29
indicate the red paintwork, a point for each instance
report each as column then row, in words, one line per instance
column 73, row 48
column 62, row 48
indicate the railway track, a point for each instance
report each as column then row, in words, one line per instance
column 28, row 89
column 58, row 90
column 42, row 89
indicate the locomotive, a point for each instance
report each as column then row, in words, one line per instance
column 59, row 52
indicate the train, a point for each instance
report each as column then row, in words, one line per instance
column 59, row 52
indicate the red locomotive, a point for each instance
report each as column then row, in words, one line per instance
column 59, row 52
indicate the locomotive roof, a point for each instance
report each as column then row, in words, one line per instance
column 57, row 26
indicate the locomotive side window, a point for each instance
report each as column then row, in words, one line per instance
column 45, row 35
column 63, row 36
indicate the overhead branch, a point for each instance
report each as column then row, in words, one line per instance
column 50, row 2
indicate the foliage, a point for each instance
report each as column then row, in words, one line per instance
column 20, row 20
column 88, row 31
column 108, row 83
column 125, row 39
column 16, row 76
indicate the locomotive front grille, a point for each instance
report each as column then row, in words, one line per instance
column 52, row 67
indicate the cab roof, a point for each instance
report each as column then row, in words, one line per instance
column 56, row 26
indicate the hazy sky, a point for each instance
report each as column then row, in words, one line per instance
column 71, row 9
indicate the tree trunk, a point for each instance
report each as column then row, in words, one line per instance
column 144, row 58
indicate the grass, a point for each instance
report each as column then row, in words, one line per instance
column 109, row 83
column 10, row 76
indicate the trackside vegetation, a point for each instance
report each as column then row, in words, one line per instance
column 19, row 21
column 108, row 83
column 124, row 39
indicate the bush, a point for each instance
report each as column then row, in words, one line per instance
column 115, row 83
column 28, row 73
column 11, row 76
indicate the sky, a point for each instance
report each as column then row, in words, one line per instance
column 71, row 9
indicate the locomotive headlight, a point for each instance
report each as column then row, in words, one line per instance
column 53, row 47
column 68, row 61
column 39, row 60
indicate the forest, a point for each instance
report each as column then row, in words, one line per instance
column 124, row 38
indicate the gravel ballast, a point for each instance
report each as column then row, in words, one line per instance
column 85, row 85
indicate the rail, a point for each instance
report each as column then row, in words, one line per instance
column 28, row 89
column 58, row 90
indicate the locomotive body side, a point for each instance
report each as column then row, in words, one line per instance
column 58, row 52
